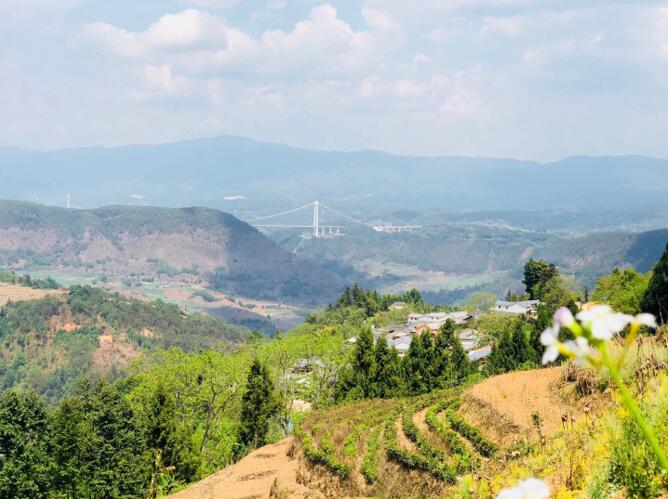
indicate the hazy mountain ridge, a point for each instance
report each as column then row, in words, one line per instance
column 203, row 171
column 204, row 245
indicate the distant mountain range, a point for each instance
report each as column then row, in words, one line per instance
column 203, row 245
column 256, row 176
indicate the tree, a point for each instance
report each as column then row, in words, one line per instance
column 522, row 350
column 355, row 296
column 453, row 363
column 557, row 292
column 655, row 299
column 623, row 290
column 24, row 434
column 419, row 365
column 96, row 445
column 502, row 358
column 358, row 382
column 413, row 297
column 259, row 405
column 169, row 445
column 479, row 301
column 536, row 273
column 387, row 378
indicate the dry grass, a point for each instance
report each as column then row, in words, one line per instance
column 518, row 395
column 12, row 292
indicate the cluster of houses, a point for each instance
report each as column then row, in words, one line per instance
column 400, row 336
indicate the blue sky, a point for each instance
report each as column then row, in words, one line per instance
column 530, row 79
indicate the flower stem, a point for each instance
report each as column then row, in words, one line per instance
column 634, row 410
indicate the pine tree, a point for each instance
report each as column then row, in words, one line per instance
column 364, row 363
column 419, row 365
column 97, row 448
column 387, row 378
column 521, row 349
column 168, row 443
column 454, row 365
column 501, row 359
column 655, row 300
column 24, row 458
column 259, row 405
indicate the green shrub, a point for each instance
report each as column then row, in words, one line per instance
column 460, row 452
column 324, row 456
column 369, row 468
column 411, row 460
column 471, row 433
column 413, row 433
column 350, row 442
column 633, row 464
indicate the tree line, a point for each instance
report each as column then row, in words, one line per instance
column 377, row 370
column 97, row 443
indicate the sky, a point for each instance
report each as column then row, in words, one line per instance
column 528, row 79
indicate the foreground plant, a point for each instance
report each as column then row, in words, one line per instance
column 593, row 330
column 531, row 488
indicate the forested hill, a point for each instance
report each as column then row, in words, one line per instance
column 204, row 171
column 213, row 247
column 48, row 344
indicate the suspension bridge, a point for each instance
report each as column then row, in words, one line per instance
column 317, row 229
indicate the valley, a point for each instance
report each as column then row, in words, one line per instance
column 324, row 249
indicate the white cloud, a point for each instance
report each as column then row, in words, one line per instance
column 505, row 26
column 199, row 43
column 16, row 5
column 187, row 29
column 440, row 35
column 190, row 29
column 421, row 59
column 212, row 4
column 114, row 40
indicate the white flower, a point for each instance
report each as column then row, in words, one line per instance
column 564, row 317
column 550, row 339
column 645, row 320
column 579, row 348
column 603, row 322
column 531, row 488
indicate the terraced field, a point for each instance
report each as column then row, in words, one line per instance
column 373, row 446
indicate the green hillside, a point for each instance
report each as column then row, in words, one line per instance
column 48, row 344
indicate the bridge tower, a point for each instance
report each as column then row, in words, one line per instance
column 316, row 219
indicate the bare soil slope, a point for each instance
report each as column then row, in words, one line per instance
column 267, row 472
column 518, row 395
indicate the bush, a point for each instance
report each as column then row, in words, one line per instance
column 369, row 468
column 465, row 461
column 471, row 433
column 633, row 464
column 324, row 456
column 412, row 460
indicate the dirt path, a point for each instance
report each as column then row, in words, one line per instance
column 518, row 395
column 255, row 476
column 402, row 439
column 419, row 420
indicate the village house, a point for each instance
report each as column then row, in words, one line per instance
column 516, row 307
column 469, row 338
column 434, row 321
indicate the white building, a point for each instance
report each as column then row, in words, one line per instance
column 516, row 307
column 435, row 320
